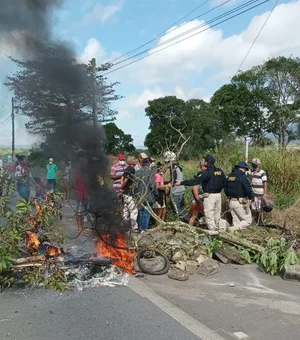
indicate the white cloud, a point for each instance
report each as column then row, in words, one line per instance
column 219, row 2
column 94, row 49
column 210, row 50
column 139, row 101
column 101, row 13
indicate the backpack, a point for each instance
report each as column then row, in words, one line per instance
column 145, row 185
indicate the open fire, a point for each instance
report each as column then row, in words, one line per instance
column 114, row 246
column 34, row 245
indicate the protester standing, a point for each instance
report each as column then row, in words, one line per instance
column 81, row 192
column 259, row 183
column 51, row 174
column 117, row 171
column 127, row 182
column 10, row 165
column 66, row 179
column 160, row 202
column 177, row 192
column 145, row 193
column 239, row 193
column 197, row 191
column 139, row 164
column 23, row 176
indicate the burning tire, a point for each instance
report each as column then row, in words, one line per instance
column 141, row 255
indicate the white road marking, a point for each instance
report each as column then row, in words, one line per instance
column 193, row 325
column 240, row 335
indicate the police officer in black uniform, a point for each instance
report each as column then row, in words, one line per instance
column 239, row 192
column 213, row 181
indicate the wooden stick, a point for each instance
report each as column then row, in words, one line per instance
column 32, row 264
column 233, row 239
column 229, row 238
column 30, row 259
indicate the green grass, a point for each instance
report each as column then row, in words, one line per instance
column 4, row 152
column 282, row 168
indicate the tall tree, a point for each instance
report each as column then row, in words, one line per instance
column 116, row 140
column 189, row 128
column 49, row 105
column 283, row 82
column 161, row 112
column 244, row 104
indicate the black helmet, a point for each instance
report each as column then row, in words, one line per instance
column 267, row 204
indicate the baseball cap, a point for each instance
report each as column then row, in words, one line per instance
column 256, row 161
column 202, row 161
column 121, row 157
column 50, row 159
column 243, row 165
column 210, row 159
column 143, row 155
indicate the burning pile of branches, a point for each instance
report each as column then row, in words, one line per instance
column 31, row 236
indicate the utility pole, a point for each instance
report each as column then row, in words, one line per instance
column 94, row 92
column 13, row 128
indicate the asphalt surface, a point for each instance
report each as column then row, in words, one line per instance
column 239, row 300
column 93, row 313
column 236, row 299
column 102, row 313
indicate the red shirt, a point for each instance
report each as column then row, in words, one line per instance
column 81, row 184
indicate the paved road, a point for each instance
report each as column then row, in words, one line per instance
column 237, row 299
column 155, row 307
column 102, row 313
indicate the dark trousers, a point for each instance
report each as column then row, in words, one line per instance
column 179, row 208
column 51, row 184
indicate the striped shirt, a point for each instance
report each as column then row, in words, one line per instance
column 117, row 169
column 257, row 182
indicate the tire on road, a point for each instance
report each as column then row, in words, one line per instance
column 149, row 271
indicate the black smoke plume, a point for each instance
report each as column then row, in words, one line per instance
column 26, row 29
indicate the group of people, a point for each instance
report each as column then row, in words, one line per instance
column 21, row 171
column 141, row 185
column 143, row 190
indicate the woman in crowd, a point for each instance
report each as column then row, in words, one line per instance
column 160, row 203
column 23, row 177
column 66, row 179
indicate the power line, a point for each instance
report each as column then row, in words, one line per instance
column 177, row 42
column 4, row 120
column 257, row 36
column 236, row 9
column 171, row 26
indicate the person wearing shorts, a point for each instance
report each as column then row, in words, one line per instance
column 160, row 202
column 81, row 193
column 197, row 204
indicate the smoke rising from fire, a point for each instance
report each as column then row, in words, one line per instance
column 25, row 27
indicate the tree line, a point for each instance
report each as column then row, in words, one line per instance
column 258, row 103
column 49, row 107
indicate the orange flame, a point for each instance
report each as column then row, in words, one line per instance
column 124, row 258
column 32, row 241
column 32, row 222
column 53, row 251
column 37, row 209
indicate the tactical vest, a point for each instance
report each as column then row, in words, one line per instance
column 234, row 185
column 216, row 181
